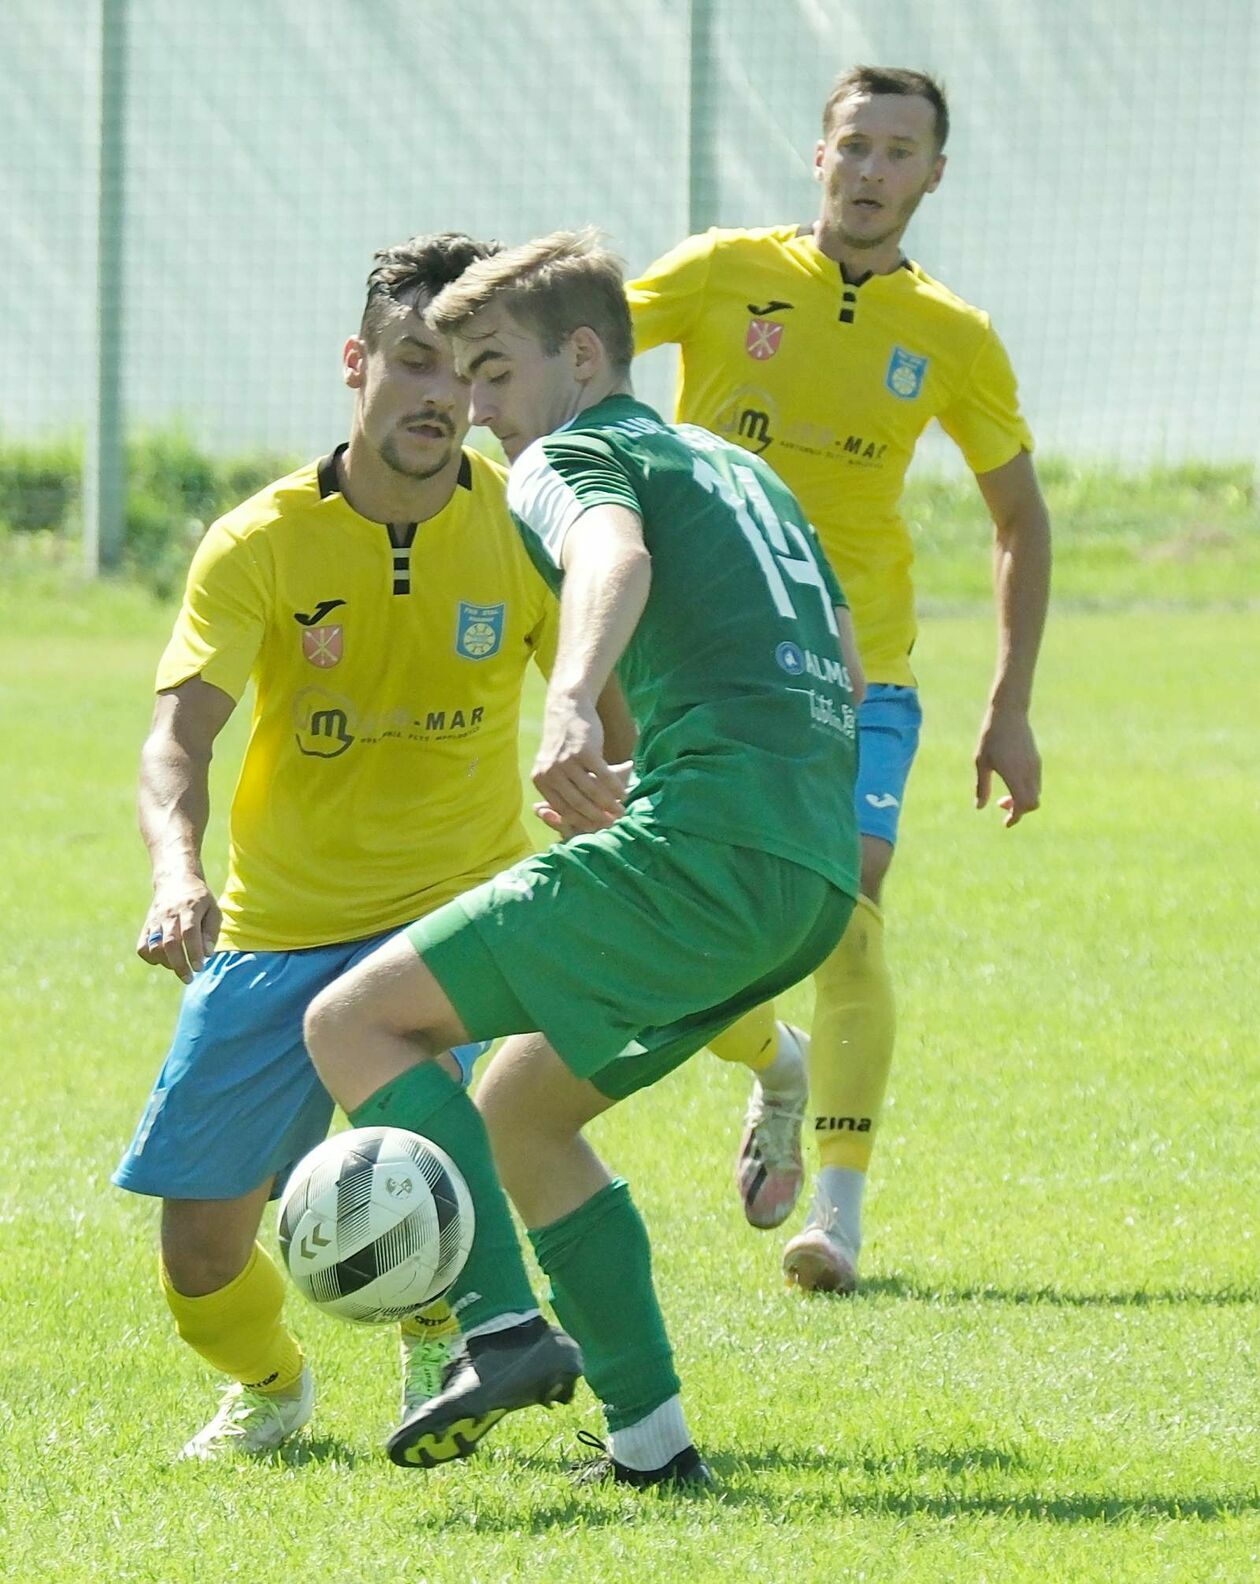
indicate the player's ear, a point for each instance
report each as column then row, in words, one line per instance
column 938, row 170
column 354, row 362
column 820, row 148
column 587, row 353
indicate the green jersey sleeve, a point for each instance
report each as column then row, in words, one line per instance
column 558, row 479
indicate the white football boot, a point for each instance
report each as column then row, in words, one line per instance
column 769, row 1172
column 817, row 1259
column 252, row 1422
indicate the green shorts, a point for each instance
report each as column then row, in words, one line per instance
column 631, row 948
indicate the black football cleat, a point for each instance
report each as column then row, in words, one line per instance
column 686, row 1470
column 525, row 1366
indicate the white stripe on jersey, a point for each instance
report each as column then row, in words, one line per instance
column 542, row 500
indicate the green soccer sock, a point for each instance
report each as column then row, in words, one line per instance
column 424, row 1100
column 600, row 1266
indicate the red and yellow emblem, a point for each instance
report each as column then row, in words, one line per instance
column 322, row 646
column 762, row 340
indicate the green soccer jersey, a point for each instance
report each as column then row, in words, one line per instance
column 746, row 718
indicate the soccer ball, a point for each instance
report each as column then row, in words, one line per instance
column 375, row 1223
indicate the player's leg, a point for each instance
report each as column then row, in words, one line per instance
column 769, row 1170
column 226, row 1297
column 235, row 1106
column 855, row 1011
column 374, row 1036
column 583, row 1225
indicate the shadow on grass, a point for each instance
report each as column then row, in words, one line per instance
column 1140, row 1298
column 819, row 1497
column 318, row 1449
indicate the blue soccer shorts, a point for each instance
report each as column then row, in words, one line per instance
column 889, row 718
column 237, row 1100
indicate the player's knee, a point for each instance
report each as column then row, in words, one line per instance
column 329, row 1028
column 203, row 1252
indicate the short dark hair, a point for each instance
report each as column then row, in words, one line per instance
column 418, row 268
column 889, row 80
column 552, row 285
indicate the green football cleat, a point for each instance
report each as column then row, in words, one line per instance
column 427, row 1342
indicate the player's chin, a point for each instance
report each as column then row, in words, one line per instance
column 420, row 459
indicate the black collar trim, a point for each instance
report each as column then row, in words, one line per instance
column 327, row 473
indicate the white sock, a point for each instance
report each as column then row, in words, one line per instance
column 651, row 1442
column 837, row 1205
column 785, row 1076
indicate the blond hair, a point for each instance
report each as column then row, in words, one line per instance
column 552, row 286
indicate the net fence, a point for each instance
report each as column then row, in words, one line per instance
column 1101, row 200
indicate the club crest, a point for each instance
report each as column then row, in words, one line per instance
column 323, row 646
column 905, row 374
column 762, row 340
column 479, row 631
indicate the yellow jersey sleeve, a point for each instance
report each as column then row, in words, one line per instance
column 219, row 630
column 667, row 301
column 984, row 419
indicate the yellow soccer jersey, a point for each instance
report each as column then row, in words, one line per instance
column 381, row 776
column 833, row 384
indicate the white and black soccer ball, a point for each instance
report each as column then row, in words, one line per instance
column 375, row 1223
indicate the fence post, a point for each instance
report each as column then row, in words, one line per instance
column 702, row 153
column 104, row 468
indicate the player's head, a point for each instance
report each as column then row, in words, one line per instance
column 882, row 149
column 540, row 332
column 411, row 408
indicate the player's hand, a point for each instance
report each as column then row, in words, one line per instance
column 566, row 828
column 576, row 783
column 181, row 926
column 1008, row 749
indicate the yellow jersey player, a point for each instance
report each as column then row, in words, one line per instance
column 383, row 607
column 824, row 350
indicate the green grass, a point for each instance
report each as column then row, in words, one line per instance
column 1051, row 1371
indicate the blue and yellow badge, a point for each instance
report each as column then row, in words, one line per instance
column 480, row 630
column 905, row 373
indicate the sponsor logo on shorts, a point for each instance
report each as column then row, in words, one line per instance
column 906, row 371
column 883, row 800
column 479, row 630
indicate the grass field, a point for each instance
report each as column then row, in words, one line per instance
column 1051, row 1371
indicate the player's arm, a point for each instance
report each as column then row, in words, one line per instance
column 849, row 653
column 1021, row 582
column 607, row 574
column 182, row 922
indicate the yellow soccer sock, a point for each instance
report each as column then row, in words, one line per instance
column 238, row 1328
column 852, row 1042
column 437, row 1322
column 750, row 1040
